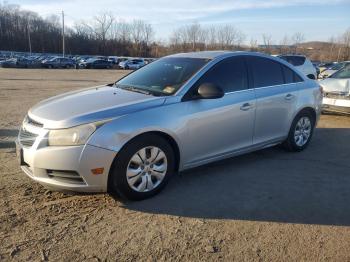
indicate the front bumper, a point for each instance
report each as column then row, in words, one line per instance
column 65, row 168
column 336, row 105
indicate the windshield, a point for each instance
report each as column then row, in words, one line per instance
column 342, row 73
column 164, row 76
column 337, row 66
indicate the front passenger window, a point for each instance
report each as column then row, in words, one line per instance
column 230, row 75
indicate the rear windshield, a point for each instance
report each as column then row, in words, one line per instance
column 294, row 60
column 164, row 76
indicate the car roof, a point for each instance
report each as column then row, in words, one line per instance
column 293, row 55
column 203, row 54
column 221, row 54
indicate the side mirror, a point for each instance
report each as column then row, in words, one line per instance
column 209, row 91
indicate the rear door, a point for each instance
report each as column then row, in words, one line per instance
column 221, row 126
column 276, row 93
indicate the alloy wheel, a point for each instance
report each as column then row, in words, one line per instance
column 302, row 131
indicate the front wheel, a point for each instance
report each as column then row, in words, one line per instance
column 301, row 132
column 142, row 168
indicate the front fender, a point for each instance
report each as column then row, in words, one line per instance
column 115, row 134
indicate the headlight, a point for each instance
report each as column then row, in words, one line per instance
column 72, row 136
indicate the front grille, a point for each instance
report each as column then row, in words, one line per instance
column 337, row 95
column 26, row 138
column 32, row 122
column 71, row 177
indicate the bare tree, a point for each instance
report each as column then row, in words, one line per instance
column 194, row 34
column 297, row 39
column 285, row 45
column 211, row 40
column 227, row 36
column 346, row 43
column 124, row 32
column 267, row 40
column 141, row 34
column 253, row 45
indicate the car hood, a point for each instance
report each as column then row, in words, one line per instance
column 90, row 105
column 334, row 85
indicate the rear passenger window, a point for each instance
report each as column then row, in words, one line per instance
column 266, row 72
column 290, row 76
column 294, row 60
column 230, row 75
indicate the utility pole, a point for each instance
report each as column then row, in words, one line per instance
column 29, row 41
column 63, row 44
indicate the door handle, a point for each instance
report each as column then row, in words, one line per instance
column 289, row 97
column 246, row 106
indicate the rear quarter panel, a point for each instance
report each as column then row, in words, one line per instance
column 310, row 96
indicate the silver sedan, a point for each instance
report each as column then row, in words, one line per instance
column 176, row 113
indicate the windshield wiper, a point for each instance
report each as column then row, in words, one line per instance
column 133, row 89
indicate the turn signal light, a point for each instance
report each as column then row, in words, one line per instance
column 97, row 171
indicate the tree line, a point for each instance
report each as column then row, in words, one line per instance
column 104, row 34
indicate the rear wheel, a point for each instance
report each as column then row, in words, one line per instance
column 142, row 168
column 301, row 132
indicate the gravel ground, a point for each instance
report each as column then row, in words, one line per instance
column 265, row 206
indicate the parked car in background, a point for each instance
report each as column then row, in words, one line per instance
column 325, row 66
column 176, row 113
column 302, row 63
column 58, row 62
column 316, row 65
column 114, row 60
column 20, row 62
column 336, row 90
column 328, row 72
column 96, row 64
column 132, row 64
column 149, row 60
column 9, row 63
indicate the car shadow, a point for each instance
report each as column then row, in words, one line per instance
column 7, row 133
column 310, row 187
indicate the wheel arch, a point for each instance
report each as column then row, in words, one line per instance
column 310, row 110
column 174, row 145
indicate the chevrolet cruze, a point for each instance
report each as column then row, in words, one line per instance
column 176, row 113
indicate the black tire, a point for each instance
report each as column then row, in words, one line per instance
column 117, row 182
column 290, row 143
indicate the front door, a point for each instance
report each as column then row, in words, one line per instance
column 218, row 127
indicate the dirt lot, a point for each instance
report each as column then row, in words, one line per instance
column 270, row 205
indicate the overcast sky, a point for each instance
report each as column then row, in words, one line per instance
column 316, row 19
